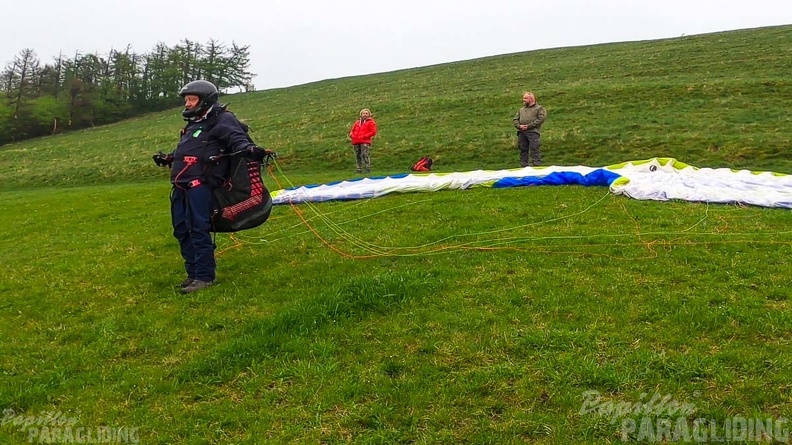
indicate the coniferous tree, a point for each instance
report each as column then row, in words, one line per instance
column 94, row 89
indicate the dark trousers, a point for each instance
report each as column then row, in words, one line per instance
column 191, row 213
column 530, row 143
column 362, row 157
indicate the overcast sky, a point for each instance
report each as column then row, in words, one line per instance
column 298, row 41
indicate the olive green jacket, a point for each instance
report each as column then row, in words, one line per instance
column 533, row 116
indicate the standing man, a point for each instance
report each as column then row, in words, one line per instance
column 528, row 122
column 197, row 167
column 361, row 133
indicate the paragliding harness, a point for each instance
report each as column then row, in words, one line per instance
column 423, row 165
column 241, row 201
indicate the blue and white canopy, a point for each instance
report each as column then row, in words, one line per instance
column 658, row 179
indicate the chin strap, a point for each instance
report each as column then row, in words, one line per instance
column 198, row 118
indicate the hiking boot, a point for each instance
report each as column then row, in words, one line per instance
column 187, row 281
column 196, row 285
column 357, row 170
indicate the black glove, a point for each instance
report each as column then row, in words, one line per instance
column 269, row 156
column 163, row 160
column 259, row 154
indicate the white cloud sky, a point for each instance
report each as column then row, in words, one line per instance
column 294, row 42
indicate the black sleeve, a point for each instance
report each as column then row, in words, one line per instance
column 230, row 132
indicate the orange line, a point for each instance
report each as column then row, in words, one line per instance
column 237, row 244
column 648, row 245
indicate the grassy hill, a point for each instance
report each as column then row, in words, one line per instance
column 483, row 316
column 715, row 100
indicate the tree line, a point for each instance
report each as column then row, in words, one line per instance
column 91, row 89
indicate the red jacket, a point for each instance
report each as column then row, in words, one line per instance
column 362, row 131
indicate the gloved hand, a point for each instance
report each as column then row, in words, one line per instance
column 269, row 156
column 163, row 160
column 259, row 154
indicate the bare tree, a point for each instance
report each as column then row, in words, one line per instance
column 237, row 65
column 213, row 61
column 185, row 56
column 22, row 79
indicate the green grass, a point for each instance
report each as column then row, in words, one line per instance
column 478, row 316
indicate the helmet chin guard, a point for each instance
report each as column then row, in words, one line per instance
column 206, row 91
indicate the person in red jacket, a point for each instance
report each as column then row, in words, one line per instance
column 361, row 133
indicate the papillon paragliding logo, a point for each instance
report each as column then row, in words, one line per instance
column 58, row 427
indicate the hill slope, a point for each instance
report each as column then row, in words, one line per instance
column 717, row 100
column 469, row 317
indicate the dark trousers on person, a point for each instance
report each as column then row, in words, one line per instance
column 530, row 143
column 191, row 213
column 362, row 157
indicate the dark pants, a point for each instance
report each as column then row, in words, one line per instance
column 362, row 157
column 191, row 213
column 530, row 154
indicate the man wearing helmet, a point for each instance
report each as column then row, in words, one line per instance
column 197, row 167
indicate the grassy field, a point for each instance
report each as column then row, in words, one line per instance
column 481, row 317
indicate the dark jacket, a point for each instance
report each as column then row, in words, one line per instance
column 220, row 132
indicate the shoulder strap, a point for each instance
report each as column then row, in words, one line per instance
column 212, row 121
